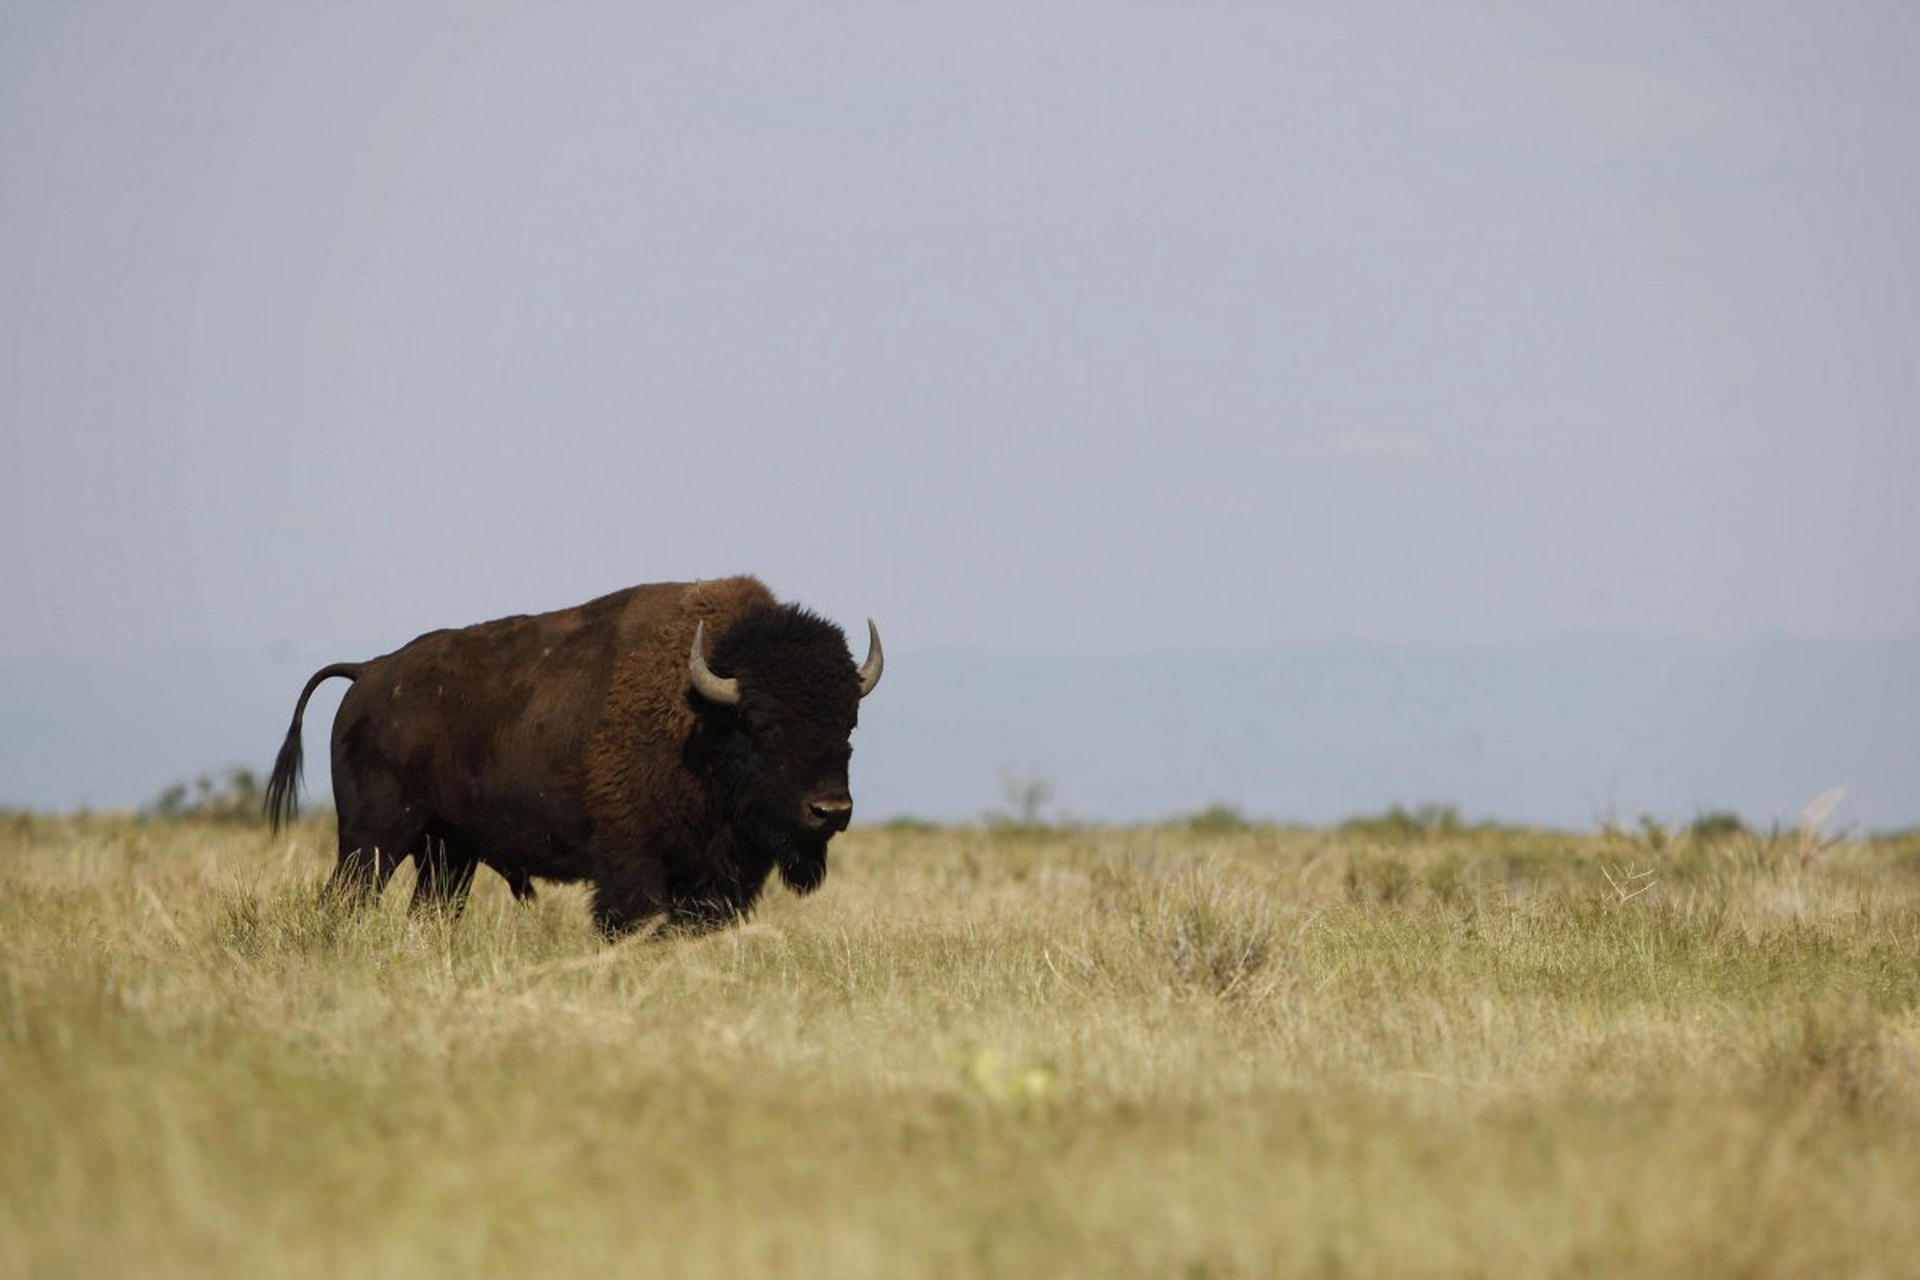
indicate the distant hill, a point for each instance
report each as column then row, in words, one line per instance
column 1565, row 732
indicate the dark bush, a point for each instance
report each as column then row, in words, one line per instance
column 235, row 796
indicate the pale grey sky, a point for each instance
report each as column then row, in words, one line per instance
column 1046, row 328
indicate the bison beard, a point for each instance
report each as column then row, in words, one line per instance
column 605, row 743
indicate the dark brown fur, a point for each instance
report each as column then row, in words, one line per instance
column 570, row 746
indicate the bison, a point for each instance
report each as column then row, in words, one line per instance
column 603, row 743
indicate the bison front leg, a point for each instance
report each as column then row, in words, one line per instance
column 626, row 898
column 619, row 914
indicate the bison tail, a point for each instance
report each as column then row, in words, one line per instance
column 283, row 788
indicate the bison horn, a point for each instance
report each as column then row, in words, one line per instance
column 721, row 690
column 876, row 660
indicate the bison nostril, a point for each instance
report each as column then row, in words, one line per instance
column 831, row 813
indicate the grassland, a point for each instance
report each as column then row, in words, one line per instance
column 1208, row 1050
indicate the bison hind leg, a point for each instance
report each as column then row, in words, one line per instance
column 447, row 865
column 365, row 866
column 378, row 831
column 519, row 881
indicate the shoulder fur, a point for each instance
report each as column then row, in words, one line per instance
column 647, row 721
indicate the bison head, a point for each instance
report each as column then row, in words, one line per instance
column 779, row 725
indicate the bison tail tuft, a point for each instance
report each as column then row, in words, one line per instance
column 283, row 787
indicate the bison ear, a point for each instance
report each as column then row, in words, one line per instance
column 720, row 690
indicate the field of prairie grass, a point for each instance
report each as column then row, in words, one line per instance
column 1205, row 1050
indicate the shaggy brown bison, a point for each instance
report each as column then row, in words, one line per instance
column 604, row 743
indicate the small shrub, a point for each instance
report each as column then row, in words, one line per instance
column 1399, row 823
column 1029, row 800
column 1218, row 819
column 236, row 796
column 1719, row 824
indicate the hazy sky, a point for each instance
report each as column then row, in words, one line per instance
column 1035, row 327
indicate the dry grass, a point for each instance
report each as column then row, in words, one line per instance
column 1200, row 1052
